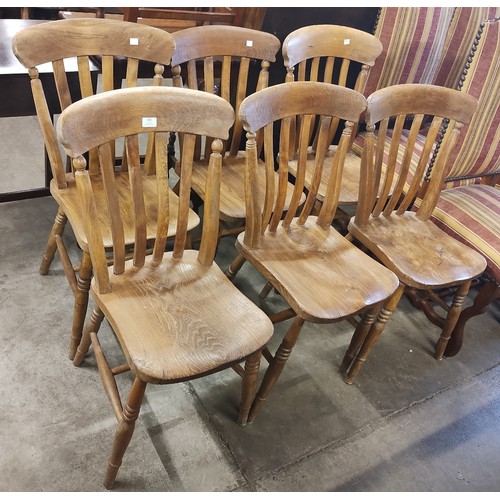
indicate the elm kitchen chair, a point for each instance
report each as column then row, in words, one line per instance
column 333, row 54
column 322, row 276
column 407, row 241
column 111, row 42
column 175, row 314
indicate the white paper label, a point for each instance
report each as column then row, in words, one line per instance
column 149, row 121
column 134, row 41
column 347, row 41
column 249, row 43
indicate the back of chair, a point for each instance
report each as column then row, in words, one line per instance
column 326, row 52
column 125, row 113
column 86, row 39
column 396, row 185
column 459, row 40
column 225, row 54
column 332, row 54
column 413, row 39
column 477, row 154
column 313, row 104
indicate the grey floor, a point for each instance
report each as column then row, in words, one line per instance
column 408, row 423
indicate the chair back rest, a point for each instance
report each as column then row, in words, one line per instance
column 312, row 104
column 107, row 41
column 332, row 54
column 96, row 121
column 217, row 59
column 459, row 39
column 382, row 172
column 413, row 39
column 325, row 52
column 477, row 153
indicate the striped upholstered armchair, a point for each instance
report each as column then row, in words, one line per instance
column 469, row 205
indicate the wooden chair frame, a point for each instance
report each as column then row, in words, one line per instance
column 175, row 314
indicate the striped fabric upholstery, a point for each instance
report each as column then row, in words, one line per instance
column 458, row 43
column 471, row 214
column 413, row 40
column 478, row 150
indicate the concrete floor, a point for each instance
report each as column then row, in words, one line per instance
column 408, row 423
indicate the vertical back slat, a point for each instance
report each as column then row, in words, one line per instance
column 161, row 156
column 301, row 72
column 85, row 76
column 192, row 77
column 132, row 72
column 314, row 72
column 136, row 191
column 106, row 159
column 391, row 165
column 423, row 161
column 439, row 171
column 329, row 64
column 300, row 176
column 405, row 164
column 240, row 95
column 208, row 76
column 270, row 193
column 188, row 145
column 149, row 160
column 282, row 172
column 319, row 160
column 107, row 72
column 329, row 207
column 344, row 71
column 61, row 81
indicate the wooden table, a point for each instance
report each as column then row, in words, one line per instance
column 15, row 91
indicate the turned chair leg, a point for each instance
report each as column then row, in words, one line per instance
column 92, row 326
column 248, row 386
column 374, row 333
column 124, row 431
column 276, row 366
column 235, row 266
column 488, row 292
column 358, row 338
column 50, row 249
column 451, row 318
column 81, row 303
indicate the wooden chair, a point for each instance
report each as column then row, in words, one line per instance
column 219, row 60
column 468, row 207
column 322, row 276
column 406, row 241
column 53, row 42
column 175, row 315
column 339, row 55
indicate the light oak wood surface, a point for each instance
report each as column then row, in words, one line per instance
column 322, row 276
column 402, row 238
column 175, row 314
column 117, row 47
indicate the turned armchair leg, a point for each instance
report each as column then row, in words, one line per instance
column 276, row 366
column 124, row 431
